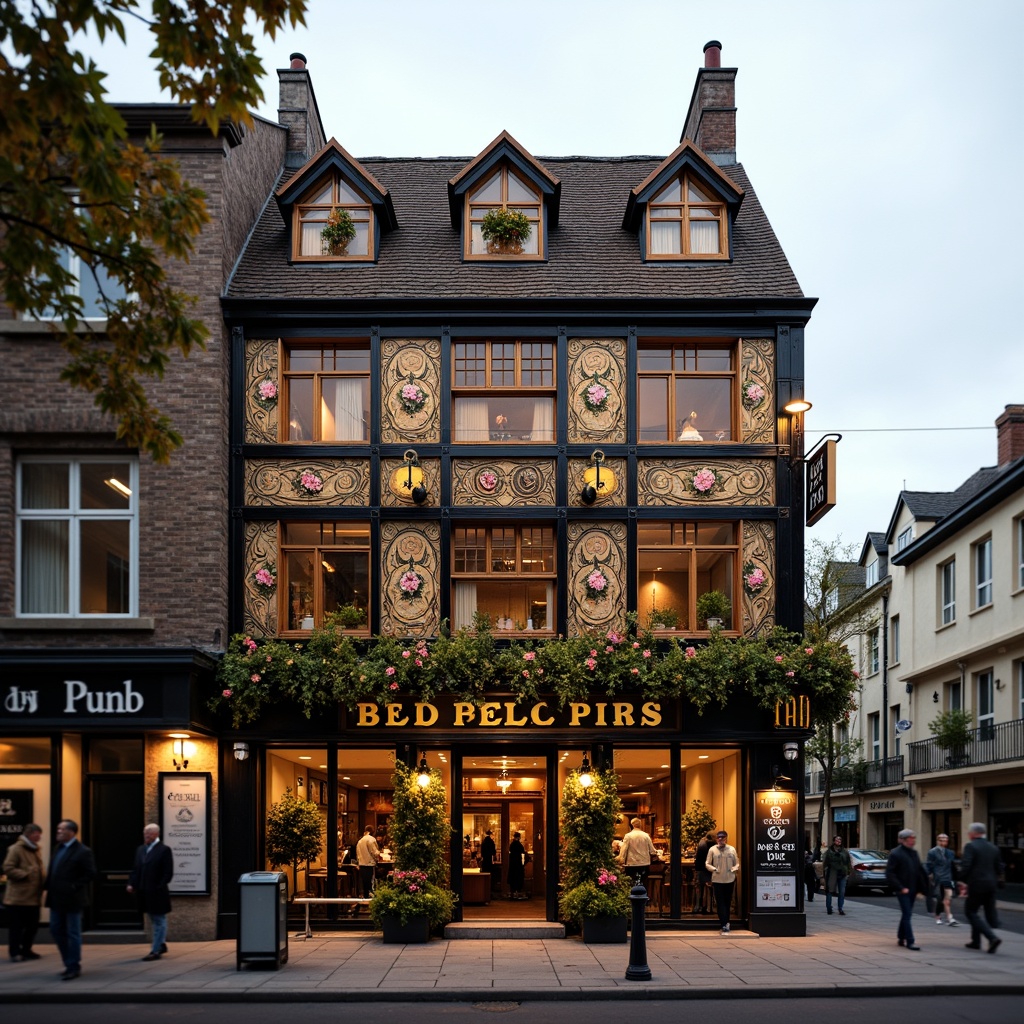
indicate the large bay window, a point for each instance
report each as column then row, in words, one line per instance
column 686, row 392
column 77, row 536
column 327, row 393
column 506, row 573
column 325, row 567
column 679, row 562
column 504, row 391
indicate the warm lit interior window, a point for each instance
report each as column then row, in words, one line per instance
column 685, row 393
column 311, row 216
column 678, row 562
column 686, row 220
column 325, row 567
column 327, row 393
column 503, row 189
column 506, row 573
column 504, row 391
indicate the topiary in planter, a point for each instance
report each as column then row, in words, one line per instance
column 337, row 233
column 713, row 605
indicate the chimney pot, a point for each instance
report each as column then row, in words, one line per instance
column 298, row 61
column 713, row 54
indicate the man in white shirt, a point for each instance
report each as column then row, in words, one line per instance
column 367, row 856
column 636, row 852
column 723, row 864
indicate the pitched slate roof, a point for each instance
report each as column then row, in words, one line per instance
column 589, row 255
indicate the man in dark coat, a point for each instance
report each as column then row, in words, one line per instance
column 149, row 881
column 906, row 875
column 72, row 868
column 981, row 868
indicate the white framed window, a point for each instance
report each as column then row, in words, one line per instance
column 875, row 736
column 832, row 601
column 77, row 536
column 871, row 574
column 894, row 640
column 947, row 592
column 894, row 719
column 983, row 573
column 954, row 696
column 873, row 652
column 986, row 693
column 904, row 538
column 1018, row 526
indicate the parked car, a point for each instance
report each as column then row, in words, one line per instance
column 868, row 872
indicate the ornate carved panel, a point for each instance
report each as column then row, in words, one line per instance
column 431, row 478
column 757, row 365
column 577, row 467
column 600, row 547
column 278, row 482
column 259, row 611
column 735, row 482
column 410, row 548
column 260, row 415
column 503, row 483
column 600, row 362
column 758, row 552
column 414, row 363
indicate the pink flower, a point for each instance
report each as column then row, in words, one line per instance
column 636, row 645
column 591, row 664
column 390, row 670
column 609, row 649
column 596, row 581
column 754, row 393
column 268, row 391
column 789, row 675
column 647, row 654
column 635, row 671
column 419, row 663
column 778, row 659
column 691, row 652
column 755, row 579
column 856, row 674
column 540, row 671
column 406, row 654
column 703, row 480
column 411, row 393
column 596, row 394
column 269, row 659
column 311, row 482
column 393, row 686
column 593, row 654
column 255, row 677
column 526, row 673
column 225, row 693
column 614, row 637
column 250, row 643
column 529, row 655
column 808, row 650
column 265, row 578
column 410, row 582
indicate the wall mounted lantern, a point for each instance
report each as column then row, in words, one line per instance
column 241, row 750
column 180, row 751
column 595, row 483
column 407, row 482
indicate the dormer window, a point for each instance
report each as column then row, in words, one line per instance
column 504, row 191
column 685, row 219
column 347, row 217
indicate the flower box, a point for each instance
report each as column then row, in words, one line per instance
column 416, row 929
column 604, row 929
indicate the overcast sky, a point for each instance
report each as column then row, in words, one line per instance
column 880, row 137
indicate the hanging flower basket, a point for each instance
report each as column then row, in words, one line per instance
column 265, row 579
column 410, row 584
column 704, row 481
column 597, row 586
column 595, row 397
column 754, row 578
column 266, row 393
column 308, row 482
column 412, row 397
column 505, row 230
column 337, row 233
column 753, row 394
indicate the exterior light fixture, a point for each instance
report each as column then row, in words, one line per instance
column 791, row 751
column 596, row 485
column 179, row 750
column 797, row 406
column 935, row 697
column 407, row 481
column 779, row 778
column 423, row 778
column 241, row 750
column 504, row 781
column 586, row 779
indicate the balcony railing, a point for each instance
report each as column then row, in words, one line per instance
column 858, row 777
column 989, row 744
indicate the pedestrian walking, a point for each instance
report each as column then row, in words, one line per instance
column 723, row 864
column 836, row 867
column 941, row 868
column 981, row 873
column 367, row 855
column 23, row 867
column 636, row 853
column 149, row 883
column 905, row 874
column 72, row 868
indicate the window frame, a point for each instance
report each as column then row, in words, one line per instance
column 894, row 635
column 870, row 574
column 904, row 538
column 985, row 697
column 983, row 588
column 673, row 376
column 875, row 735
column 288, row 375
column 301, row 207
column 947, row 593
column 874, row 661
column 470, row 218
column 74, row 514
column 721, row 214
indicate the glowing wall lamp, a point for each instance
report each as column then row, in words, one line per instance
column 423, row 778
column 586, row 779
column 504, row 781
column 241, row 750
column 407, row 482
column 181, row 749
column 595, row 483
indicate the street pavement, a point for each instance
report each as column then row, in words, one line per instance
column 852, row 955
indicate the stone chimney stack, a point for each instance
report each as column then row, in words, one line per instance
column 1010, row 434
column 298, row 112
column 711, row 118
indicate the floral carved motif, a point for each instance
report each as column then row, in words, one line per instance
column 261, row 414
column 758, row 548
column 410, row 566
column 259, row 603
column 503, row 483
column 671, row 482
column 596, row 601
column 278, row 482
column 596, row 389
column 757, row 374
column 411, row 390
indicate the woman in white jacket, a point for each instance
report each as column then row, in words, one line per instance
column 723, row 865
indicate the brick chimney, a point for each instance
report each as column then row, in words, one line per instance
column 1010, row 434
column 298, row 112
column 711, row 118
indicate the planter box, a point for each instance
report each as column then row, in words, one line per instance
column 604, row 929
column 416, row 929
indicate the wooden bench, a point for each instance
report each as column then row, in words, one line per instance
column 308, row 901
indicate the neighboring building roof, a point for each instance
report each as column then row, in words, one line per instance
column 589, row 255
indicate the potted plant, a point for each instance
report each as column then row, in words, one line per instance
column 695, row 824
column 505, row 230
column 349, row 616
column 337, row 233
column 713, row 608
column 594, row 895
column 294, row 833
column 663, row 618
column 416, row 899
column 953, row 731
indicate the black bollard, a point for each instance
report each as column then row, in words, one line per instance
column 638, row 969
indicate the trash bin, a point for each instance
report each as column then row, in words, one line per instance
column 262, row 918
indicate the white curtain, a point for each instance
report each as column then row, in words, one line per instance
column 543, row 420
column 664, row 237
column 471, row 420
column 44, row 567
column 465, row 604
column 311, row 241
column 704, row 236
column 343, row 420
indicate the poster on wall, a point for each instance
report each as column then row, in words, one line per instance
column 15, row 814
column 185, row 820
column 777, row 861
column 776, row 892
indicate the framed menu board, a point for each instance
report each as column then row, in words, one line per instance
column 185, row 823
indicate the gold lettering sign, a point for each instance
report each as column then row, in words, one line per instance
column 794, row 713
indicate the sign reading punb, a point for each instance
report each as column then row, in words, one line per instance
column 126, row 699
